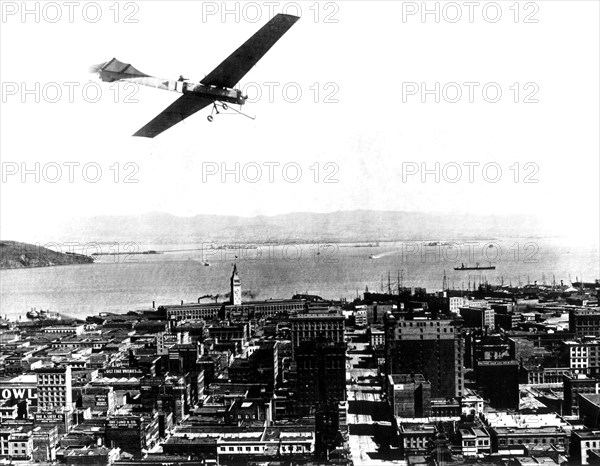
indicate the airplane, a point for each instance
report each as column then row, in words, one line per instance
column 217, row 88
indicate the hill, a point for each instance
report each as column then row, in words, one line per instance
column 346, row 226
column 15, row 255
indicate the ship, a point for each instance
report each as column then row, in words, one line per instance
column 477, row 267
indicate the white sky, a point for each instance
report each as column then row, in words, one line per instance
column 368, row 54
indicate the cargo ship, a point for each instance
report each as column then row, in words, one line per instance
column 477, row 267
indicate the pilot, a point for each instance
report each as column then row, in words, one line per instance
column 181, row 78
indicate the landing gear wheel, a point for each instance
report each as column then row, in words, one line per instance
column 225, row 106
column 210, row 118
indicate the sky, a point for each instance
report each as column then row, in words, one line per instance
column 352, row 122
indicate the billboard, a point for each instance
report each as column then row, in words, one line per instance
column 18, row 393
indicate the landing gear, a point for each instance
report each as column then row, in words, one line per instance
column 215, row 110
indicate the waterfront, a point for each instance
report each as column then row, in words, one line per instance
column 125, row 283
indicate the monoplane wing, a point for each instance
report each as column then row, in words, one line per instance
column 186, row 105
column 235, row 67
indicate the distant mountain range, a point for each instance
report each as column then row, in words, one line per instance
column 345, row 226
column 14, row 255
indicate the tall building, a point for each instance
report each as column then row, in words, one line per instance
column 584, row 322
column 582, row 356
column 500, row 382
column 574, row 386
column 321, row 386
column 433, row 348
column 262, row 366
column 54, row 388
column 307, row 327
column 589, row 410
column 477, row 317
column 236, row 288
column 409, row 395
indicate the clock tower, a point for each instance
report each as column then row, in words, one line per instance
column 236, row 288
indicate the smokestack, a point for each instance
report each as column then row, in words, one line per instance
column 182, row 302
column 153, row 304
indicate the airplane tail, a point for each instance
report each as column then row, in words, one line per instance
column 114, row 70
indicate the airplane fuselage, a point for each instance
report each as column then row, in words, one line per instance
column 221, row 94
column 232, row 96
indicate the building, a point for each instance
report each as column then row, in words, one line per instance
column 321, row 386
column 416, row 437
column 471, row 403
column 478, row 317
column 54, row 388
column 582, row 356
column 509, row 431
column 581, row 444
column 228, row 332
column 430, row 347
column 235, row 296
column 262, row 366
column 474, row 441
column 20, row 391
column 234, row 308
column 500, row 382
column 132, row 433
column 45, row 443
column 16, row 443
column 409, row 395
column 584, row 322
column 100, row 399
column 573, row 386
column 455, row 303
column 360, row 317
column 376, row 338
column 480, row 345
column 308, row 327
column 91, row 456
column 165, row 340
column 589, row 410
column 194, row 311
